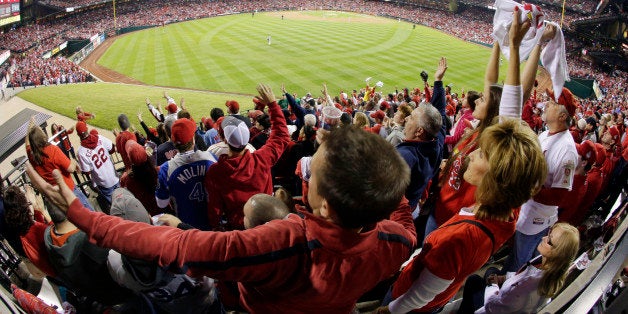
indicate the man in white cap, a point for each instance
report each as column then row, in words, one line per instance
column 241, row 174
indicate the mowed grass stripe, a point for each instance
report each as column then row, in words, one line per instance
column 193, row 69
column 230, row 53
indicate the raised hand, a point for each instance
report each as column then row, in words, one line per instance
column 266, row 95
column 60, row 194
column 32, row 123
column 169, row 220
column 442, row 68
column 548, row 33
column 517, row 29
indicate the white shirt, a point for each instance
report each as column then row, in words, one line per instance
column 98, row 162
column 518, row 294
column 561, row 157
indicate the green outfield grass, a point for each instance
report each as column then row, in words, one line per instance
column 230, row 53
column 108, row 100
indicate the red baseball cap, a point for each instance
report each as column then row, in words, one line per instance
column 587, row 150
column 136, row 152
column 378, row 115
column 566, row 99
column 233, row 106
column 183, row 131
column 207, row 122
column 81, row 127
column 172, row 108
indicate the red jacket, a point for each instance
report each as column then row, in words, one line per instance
column 595, row 180
column 571, row 211
column 299, row 264
column 230, row 182
column 121, row 140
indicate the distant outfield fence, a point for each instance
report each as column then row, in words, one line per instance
column 94, row 42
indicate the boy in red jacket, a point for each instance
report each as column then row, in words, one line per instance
column 240, row 174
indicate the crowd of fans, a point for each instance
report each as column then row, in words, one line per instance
column 34, row 71
column 585, row 7
column 364, row 178
column 73, row 3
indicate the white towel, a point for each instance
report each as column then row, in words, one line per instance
column 554, row 59
column 503, row 19
column 553, row 56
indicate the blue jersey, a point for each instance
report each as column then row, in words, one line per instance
column 181, row 179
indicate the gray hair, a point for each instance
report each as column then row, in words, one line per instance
column 309, row 119
column 431, row 120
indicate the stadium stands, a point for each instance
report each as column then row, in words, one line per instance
column 472, row 24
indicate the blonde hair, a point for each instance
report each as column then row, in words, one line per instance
column 556, row 265
column 517, row 168
column 361, row 120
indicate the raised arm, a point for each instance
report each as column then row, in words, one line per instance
column 515, row 36
column 217, row 253
column 511, row 103
column 279, row 137
column 298, row 111
column 31, row 125
column 438, row 99
column 492, row 68
column 532, row 65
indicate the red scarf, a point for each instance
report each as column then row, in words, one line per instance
column 91, row 141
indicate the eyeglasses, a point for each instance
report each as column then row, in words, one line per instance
column 549, row 238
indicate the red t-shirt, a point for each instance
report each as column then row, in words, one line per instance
column 455, row 193
column 84, row 116
column 35, row 247
column 453, row 252
column 56, row 160
column 376, row 128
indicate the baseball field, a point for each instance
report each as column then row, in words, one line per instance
column 211, row 60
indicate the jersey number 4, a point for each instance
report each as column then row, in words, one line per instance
column 198, row 193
